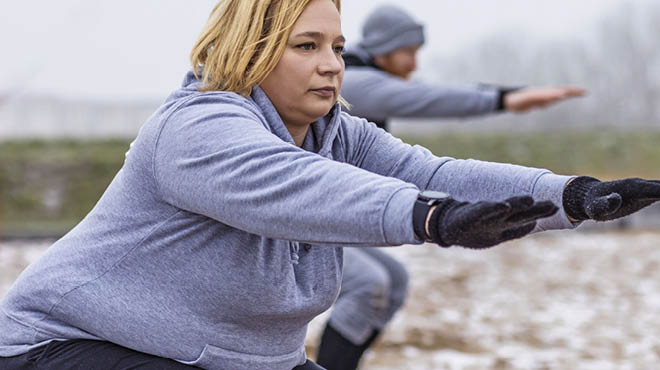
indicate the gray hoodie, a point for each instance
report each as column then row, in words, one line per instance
column 216, row 243
column 378, row 96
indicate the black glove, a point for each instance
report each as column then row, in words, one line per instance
column 587, row 198
column 485, row 224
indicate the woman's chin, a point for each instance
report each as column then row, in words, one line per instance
column 321, row 110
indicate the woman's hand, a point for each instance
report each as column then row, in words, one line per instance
column 523, row 100
column 485, row 224
column 587, row 198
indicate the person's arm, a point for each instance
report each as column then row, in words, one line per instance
column 484, row 224
column 218, row 160
column 377, row 95
column 465, row 180
column 578, row 198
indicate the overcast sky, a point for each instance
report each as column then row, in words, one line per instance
column 127, row 49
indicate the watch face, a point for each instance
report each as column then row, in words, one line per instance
column 430, row 194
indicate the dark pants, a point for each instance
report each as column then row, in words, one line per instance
column 96, row 355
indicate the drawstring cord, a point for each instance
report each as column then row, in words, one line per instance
column 295, row 248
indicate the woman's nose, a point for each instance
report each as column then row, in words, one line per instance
column 330, row 63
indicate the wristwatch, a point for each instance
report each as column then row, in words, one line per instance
column 425, row 200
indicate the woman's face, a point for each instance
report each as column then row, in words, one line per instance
column 306, row 82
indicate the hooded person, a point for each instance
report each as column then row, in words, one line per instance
column 386, row 56
column 378, row 86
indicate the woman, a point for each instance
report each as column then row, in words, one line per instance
column 216, row 243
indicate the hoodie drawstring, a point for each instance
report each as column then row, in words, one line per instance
column 295, row 248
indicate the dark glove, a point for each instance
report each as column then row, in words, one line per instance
column 587, row 198
column 485, row 224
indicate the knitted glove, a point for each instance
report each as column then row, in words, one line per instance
column 485, row 224
column 587, row 198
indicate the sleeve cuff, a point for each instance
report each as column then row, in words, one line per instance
column 502, row 92
column 551, row 187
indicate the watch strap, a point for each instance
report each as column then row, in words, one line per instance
column 420, row 214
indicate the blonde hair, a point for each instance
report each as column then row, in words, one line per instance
column 242, row 42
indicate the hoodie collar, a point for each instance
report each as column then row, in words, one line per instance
column 323, row 132
column 190, row 82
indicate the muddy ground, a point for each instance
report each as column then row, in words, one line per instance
column 567, row 300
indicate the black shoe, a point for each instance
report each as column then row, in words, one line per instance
column 338, row 353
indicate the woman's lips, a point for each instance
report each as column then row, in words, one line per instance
column 326, row 92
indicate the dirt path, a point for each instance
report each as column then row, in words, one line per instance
column 562, row 301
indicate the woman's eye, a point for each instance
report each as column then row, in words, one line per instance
column 307, row 46
column 339, row 49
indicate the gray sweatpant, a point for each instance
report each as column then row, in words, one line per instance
column 373, row 288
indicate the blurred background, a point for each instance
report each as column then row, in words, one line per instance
column 78, row 78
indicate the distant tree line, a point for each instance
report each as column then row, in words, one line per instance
column 619, row 65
